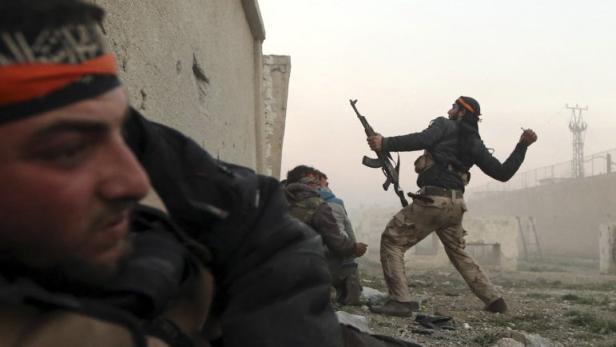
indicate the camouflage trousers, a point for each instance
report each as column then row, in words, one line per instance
column 412, row 224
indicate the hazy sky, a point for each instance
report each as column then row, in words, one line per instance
column 406, row 61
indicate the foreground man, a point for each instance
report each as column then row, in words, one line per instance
column 452, row 146
column 71, row 272
column 81, row 264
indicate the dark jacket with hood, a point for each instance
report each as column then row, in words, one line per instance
column 257, row 248
column 307, row 205
column 455, row 147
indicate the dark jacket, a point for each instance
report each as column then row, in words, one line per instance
column 307, row 205
column 455, row 147
column 271, row 277
column 117, row 313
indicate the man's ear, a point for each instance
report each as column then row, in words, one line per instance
column 460, row 114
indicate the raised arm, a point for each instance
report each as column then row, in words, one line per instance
column 493, row 167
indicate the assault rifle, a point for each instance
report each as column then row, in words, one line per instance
column 384, row 161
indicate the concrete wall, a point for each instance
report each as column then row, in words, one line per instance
column 368, row 224
column 607, row 249
column 490, row 241
column 567, row 214
column 493, row 241
column 276, row 73
column 197, row 66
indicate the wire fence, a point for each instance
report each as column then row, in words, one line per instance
column 595, row 164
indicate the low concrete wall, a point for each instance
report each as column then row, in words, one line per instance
column 567, row 214
column 490, row 241
column 501, row 232
column 368, row 224
column 607, row 249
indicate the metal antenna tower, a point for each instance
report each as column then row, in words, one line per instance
column 577, row 125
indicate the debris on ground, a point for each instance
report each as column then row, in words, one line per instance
column 435, row 322
column 372, row 296
column 357, row 321
column 569, row 307
column 508, row 342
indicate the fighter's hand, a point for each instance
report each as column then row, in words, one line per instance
column 360, row 249
column 528, row 137
column 375, row 142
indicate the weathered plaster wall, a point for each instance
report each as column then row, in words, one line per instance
column 276, row 74
column 567, row 214
column 195, row 65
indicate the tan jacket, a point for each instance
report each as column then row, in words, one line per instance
column 24, row 325
column 27, row 326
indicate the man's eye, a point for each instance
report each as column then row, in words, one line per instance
column 67, row 154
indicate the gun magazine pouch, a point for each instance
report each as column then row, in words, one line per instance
column 423, row 162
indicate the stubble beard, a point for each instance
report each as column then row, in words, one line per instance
column 82, row 274
column 72, row 275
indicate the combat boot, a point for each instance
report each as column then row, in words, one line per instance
column 353, row 290
column 497, row 306
column 396, row 308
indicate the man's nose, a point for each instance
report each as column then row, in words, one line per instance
column 122, row 175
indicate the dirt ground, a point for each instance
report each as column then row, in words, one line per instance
column 560, row 299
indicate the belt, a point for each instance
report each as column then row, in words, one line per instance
column 438, row 191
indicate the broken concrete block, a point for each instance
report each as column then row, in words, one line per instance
column 357, row 321
column 372, row 296
column 607, row 248
column 533, row 340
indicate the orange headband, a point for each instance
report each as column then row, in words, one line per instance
column 22, row 82
column 465, row 105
